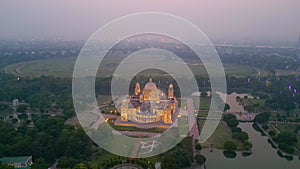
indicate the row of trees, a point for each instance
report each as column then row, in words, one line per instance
column 237, row 134
column 286, row 141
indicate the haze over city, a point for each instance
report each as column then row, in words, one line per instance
column 222, row 20
column 118, row 84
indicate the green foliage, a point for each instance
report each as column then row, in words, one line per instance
column 226, row 107
column 80, row 166
column 22, row 108
column 198, row 146
column 2, row 166
column 3, row 107
column 236, row 130
column 66, row 163
column 232, row 123
column 281, row 103
column 203, row 93
column 248, row 145
column 265, row 127
column 286, row 148
column 287, row 138
column 242, row 136
column 40, row 164
column 230, row 120
column 262, row 118
column 41, row 101
column 272, row 133
column 229, row 145
column 181, row 155
column 169, row 162
column 200, row 159
column 50, row 140
column 229, row 154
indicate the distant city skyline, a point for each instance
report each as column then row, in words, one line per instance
column 222, row 20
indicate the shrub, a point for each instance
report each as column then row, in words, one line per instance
column 229, row 145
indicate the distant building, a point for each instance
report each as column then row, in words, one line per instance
column 15, row 102
column 21, row 162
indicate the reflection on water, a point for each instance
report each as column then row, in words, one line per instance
column 263, row 156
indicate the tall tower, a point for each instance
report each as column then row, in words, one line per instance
column 137, row 90
column 171, row 92
column 124, row 109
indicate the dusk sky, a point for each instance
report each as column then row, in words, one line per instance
column 256, row 20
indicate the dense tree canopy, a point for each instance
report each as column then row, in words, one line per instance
column 229, row 145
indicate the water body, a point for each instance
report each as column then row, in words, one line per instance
column 263, row 156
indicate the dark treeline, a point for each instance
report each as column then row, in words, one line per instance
column 47, row 142
column 279, row 92
column 268, row 61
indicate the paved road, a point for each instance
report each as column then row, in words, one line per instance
column 281, row 122
column 194, row 131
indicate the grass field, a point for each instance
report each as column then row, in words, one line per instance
column 63, row 67
column 220, row 136
column 286, row 73
column 204, row 103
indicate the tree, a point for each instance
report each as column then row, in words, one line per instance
column 39, row 164
column 232, row 123
column 229, row 145
column 227, row 117
column 287, row 138
column 200, row 159
column 2, row 166
column 236, row 130
column 248, row 145
column 242, row 136
column 226, row 107
column 231, row 120
column 203, row 93
column 80, row 166
column 22, row 108
column 198, row 146
column 286, row 148
column 272, row 133
column 265, row 127
column 169, row 162
column 262, row 118
column 94, row 166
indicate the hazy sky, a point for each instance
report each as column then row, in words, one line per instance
column 257, row 20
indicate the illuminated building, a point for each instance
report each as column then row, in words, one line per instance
column 149, row 105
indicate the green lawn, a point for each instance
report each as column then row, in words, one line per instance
column 221, row 135
column 204, row 103
column 63, row 67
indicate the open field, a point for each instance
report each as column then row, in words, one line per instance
column 63, row 67
column 52, row 67
column 286, row 73
column 220, row 136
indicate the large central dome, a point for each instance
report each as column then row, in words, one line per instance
column 150, row 86
column 150, row 91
